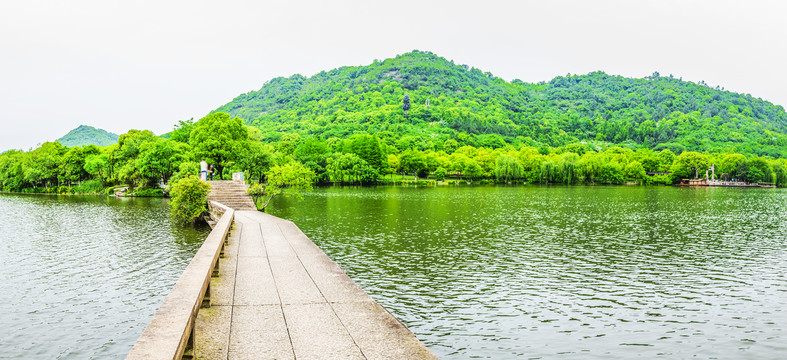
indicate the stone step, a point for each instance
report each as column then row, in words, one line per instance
column 230, row 197
column 231, row 194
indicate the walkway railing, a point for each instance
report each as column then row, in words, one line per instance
column 170, row 334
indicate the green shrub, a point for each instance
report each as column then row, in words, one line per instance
column 88, row 187
column 185, row 169
column 148, row 192
column 189, row 198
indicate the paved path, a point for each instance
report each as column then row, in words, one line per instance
column 278, row 296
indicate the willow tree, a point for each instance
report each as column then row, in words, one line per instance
column 507, row 168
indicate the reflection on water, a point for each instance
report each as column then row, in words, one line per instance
column 552, row 272
column 83, row 275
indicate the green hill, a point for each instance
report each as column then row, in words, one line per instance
column 450, row 101
column 88, row 135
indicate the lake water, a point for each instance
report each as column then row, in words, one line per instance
column 475, row 272
column 83, row 275
column 565, row 272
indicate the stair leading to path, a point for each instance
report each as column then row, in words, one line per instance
column 231, row 194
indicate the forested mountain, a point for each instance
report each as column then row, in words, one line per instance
column 88, row 135
column 450, row 101
column 420, row 116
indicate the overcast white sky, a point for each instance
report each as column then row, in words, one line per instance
column 121, row 65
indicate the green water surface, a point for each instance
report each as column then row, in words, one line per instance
column 565, row 272
column 83, row 275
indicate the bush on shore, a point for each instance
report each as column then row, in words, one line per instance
column 189, row 198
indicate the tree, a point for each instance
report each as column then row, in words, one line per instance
column 507, row 167
column 450, row 146
column 182, row 131
column 439, row 174
column 412, row 162
column 760, row 171
column 97, row 165
column 666, row 158
column 779, row 170
column 72, row 170
column 635, row 171
column 291, row 178
column 42, row 166
column 729, row 165
column 690, row 164
column 406, row 104
column 159, row 160
column 611, row 173
column 257, row 160
column 368, row 148
column 567, row 166
column 393, row 164
column 313, row 153
column 219, row 139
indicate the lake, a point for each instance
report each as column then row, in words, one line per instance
column 475, row 272
column 556, row 272
column 83, row 275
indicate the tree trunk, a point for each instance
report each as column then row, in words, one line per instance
column 267, row 202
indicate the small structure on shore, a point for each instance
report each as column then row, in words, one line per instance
column 710, row 180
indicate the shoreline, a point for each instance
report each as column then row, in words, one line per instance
column 416, row 183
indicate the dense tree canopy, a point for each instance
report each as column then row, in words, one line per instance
column 453, row 102
column 348, row 125
column 219, row 139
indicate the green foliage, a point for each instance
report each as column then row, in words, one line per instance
column 148, row 192
column 439, row 174
column 348, row 126
column 759, row 171
column 508, row 168
column 350, row 168
column 291, row 178
column 189, row 198
column 160, row 159
column 474, row 108
column 182, row 131
column 635, row 172
column 690, row 165
column 87, row 135
column 219, row 139
column 257, row 159
column 88, row 187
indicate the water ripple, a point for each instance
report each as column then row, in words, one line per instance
column 82, row 276
column 553, row 272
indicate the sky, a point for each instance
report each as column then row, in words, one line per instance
column 120, row 65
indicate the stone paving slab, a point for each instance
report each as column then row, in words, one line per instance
column 317, row 333
column 254, row 283
column 251, row 241
column 279, row 296
column 330, row 278
column 213, row 332
column 378, row 333
column 222, row 288
column 259, row 332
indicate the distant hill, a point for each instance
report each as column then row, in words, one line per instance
column 88, row 135
column 451, row 101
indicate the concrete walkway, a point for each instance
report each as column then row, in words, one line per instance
column 278, row 296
